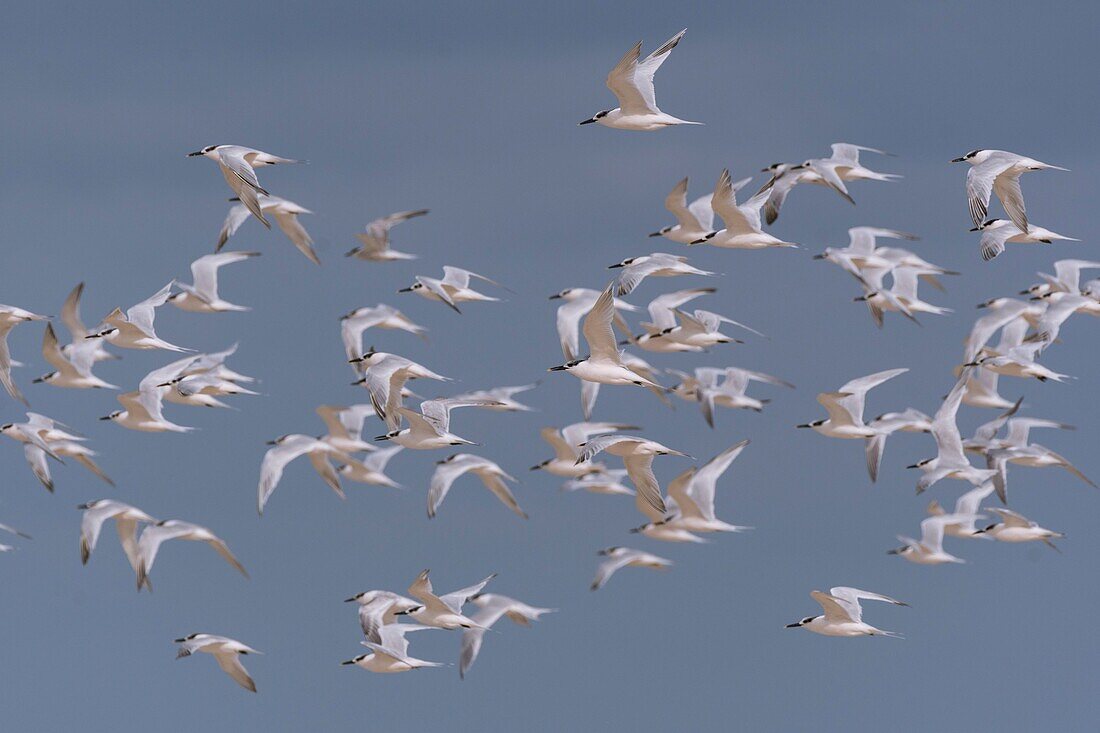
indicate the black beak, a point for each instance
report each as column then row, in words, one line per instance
column 589, row 121
column 975, row 229
column 956, row 160
column 39, row 380
column 655, row 234
column 194, row 154
column 382, row 437
column 820, row 256
column 179, row 641
column 793, row 626
column 915, row 465
column 349, row 600
column 271, row 442
column 555, row 296
column 616, row 265
column 557, row 369
column 405, row 290
column 105, row 417
column 93, row 336
column 807, row 425
column 971, row 364
column 893, row 552
column 535, row 468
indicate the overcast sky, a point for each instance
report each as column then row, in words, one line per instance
column 471, row 110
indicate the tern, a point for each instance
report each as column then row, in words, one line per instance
column 430, row 428
column 694, row 220
column 345, row 426
column 10, row 317
column 385, row 377
column 72, row 366
column 143, row 408
column 492, row 608
column 504, row 397
column 286, row 215
column 202, row 297
column 604, row 365
column 608, row 482
column 378, row 608
column 662, row 321
column 134, row 330
column 454, row 288
column 998, row 171
column 631, row 81
column 842, row 165
column 1015, row 527
column 845, row 408
column 637, row 455
column 1066, row 278
column 731, row 391
column 226, row 652
column 966, row 512
column 1034, row 456
column 444, row 612
column 566, row 444
column 236, row 164
column 391, row 653
column 998, row 232
column 375, row 240
column 950, row 460
column 928, row 550
column 70, row 316
column 491, row 474
column 371, row 470
column 127, row 518
column 173, row 529
column 36, row 458
column 743, row 228
column 578, row 302
column 625, row 557
column 24, row 535
column 657, row 264
column 288, row 447
column 353, row 324
column 843, row 614
column 693, row 498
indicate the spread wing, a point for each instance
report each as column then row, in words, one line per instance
column 597, row 328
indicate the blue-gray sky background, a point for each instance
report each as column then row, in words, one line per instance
column 471, row 111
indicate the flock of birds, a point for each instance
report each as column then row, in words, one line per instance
column 685, row 508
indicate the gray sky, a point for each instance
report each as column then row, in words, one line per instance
column 473, row 113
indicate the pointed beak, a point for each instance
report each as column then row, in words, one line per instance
column 820, row 256
column 806, row 425
column 654, row 234
column 915, row 465
column 971, row 364
column 555, row 296
column 557, row 369
column 194, row 154
column 93, row 336
column 381, row 437
column 589, row 121
column 975, row 229
column 105, row 417
column 793, row 626
column 405, row 290
column 956, row 160
column 38, row 380
column 615, row 266
column 271, row 442
column 349, row 600
column 535, row 468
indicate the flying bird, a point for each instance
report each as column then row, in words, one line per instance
column 843, row 614
column 375, row 241
column 226, row 652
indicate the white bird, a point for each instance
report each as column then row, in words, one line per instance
column 444, row 611
column 566, row 444
column 353, row 324
column 70, row 316
column 608, row 481
column 174, row 529
column 625, row 557
column 731, row 391
column 430, row 428
column 1033, row 456
column 1060, row 306
column 286, row 215
column 127, row 518
column 144, row 407
column 998, row 171
column 345, row 426
column 491, row 474
column 902, row 295
column 492, row 608
column 950, row 460
column 845, row 408
column 288, row 447
column 385, row 376
column 24, row 535
column 661, row 526
column 662, row 322
column 34, row 433
column 842, row 165
column 134, row 330
column 391, row 653
column 226, row 652
column 656, row 264
column 692, row 500
column 998, row 232
column 928, row 550
column 236, row 164
column 702, row 329
column 202, row 297
column 637, row 455
column 1015, row 527
column 843, row 614
column 371, row 470
column 72, row 366
column 743, row 229
column 1019, row 362
column 454, row 288
column 10, row 317
column 604, row 365
column 504, row 397
column 966, row 512
column 375, row 240
column 694, row 220
column 631, row 81
column 1066, row 278
column 36, row 458
column 578, row 302
column 378, row 608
